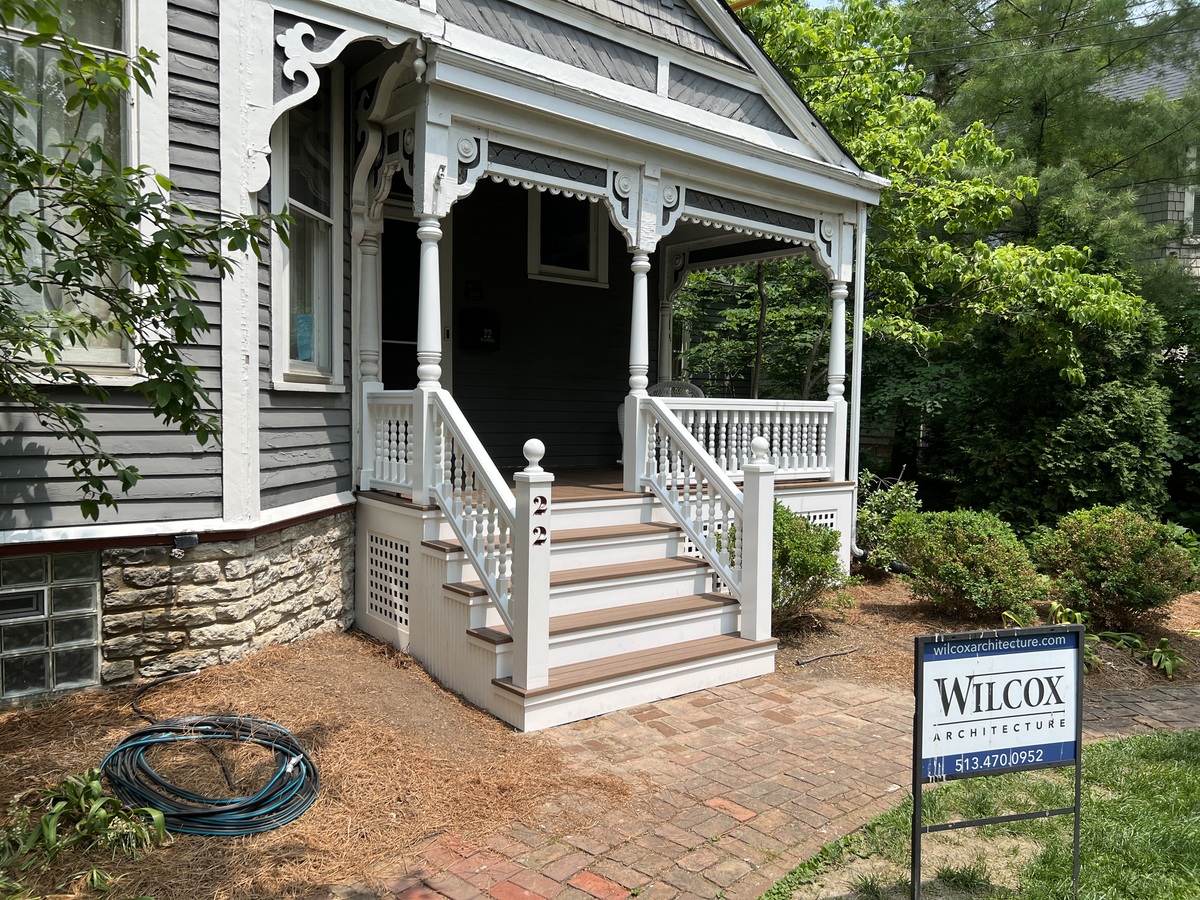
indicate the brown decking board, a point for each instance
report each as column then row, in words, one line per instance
column 614, row 615
column 596, row 573
column 594, row 671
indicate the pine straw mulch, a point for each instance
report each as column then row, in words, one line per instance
column 400, row 761
column 879, row 628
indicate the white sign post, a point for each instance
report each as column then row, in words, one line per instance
column 990, row 702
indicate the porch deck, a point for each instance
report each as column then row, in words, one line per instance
column 588, row 483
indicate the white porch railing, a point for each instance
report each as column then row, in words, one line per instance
column 805, row 437
column 731, row 529
column 389, row 433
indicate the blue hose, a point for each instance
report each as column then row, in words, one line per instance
column 286, row 795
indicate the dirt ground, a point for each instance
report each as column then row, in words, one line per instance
column 402, row 760
column 873, row 641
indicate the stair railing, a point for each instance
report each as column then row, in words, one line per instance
column 506, row 537
column 730, row 528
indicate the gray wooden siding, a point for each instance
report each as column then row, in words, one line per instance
column 562, row 367
column 180, row 480
column 675, row 21
column 532, row 31
column 726, row 100
column 304, row 438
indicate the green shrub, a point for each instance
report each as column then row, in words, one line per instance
column 804, row 568
column 1113, row 563
column 968, row 562
column 878, row 502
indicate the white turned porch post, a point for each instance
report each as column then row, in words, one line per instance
column 837, row 378
column 666, row 342
column 531, row 572
column 370, row 341
column 634, row 451
column 758, row 529
column 429, row 354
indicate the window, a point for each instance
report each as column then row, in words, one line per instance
column 45, row 124
column 49, row 623
column 568, row 239
column 306, row 178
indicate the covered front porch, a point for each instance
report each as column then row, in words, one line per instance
column 524, row 200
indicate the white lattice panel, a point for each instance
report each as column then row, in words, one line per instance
column 826, row 518
column 388, row 585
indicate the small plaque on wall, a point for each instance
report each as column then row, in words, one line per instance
column 479, row 331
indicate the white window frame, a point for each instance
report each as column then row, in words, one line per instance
column 288, row 374
column 1190, row 220
column 145, row 141
column 596, row 275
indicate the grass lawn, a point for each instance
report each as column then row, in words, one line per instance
column 1140, row 834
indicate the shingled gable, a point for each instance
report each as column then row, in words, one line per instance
column 711, row 62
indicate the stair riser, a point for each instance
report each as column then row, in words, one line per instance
column 594, row 595
column 602, row 552
column 609, row 512
column 585, row 646
column 596, row 699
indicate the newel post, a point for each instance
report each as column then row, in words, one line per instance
column 530, row 598
column 837, row 380
column 758, row 526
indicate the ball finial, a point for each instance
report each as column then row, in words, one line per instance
column 759, row 448
column 534, row 450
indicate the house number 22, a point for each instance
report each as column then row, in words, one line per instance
column 540, row 534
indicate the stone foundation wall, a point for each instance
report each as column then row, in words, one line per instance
column 167, row 611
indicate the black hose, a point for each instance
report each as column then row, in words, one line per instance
column 287, row 794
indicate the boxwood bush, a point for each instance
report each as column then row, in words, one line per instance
column 969, row 563
column 805, row 568
column 879, row 500
column 1113, row 563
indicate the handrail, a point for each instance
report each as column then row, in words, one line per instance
column 699, row 494
column 478, row 503
column 799, row 432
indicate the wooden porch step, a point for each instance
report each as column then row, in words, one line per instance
column 596, row 671
column 587, row 574
column 577, row 535
column 615, row 616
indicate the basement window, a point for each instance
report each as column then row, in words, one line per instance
column 49, row 623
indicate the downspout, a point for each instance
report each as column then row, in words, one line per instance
column 860, row 293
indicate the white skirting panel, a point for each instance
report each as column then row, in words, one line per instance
column 830, row 506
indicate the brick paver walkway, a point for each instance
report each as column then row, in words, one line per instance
column 733, row 787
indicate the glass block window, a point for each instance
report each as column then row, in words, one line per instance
column 49, row 623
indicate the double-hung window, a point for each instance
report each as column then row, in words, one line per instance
column 307, row 273
column 45, row 125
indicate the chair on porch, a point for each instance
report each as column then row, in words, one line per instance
column 661, row 389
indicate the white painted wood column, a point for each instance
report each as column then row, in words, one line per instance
column 758, row 529
column 531, row 571
column 369, row 342
column 429, row 354
column 837, row 377
column 634, row 451
column 666, row 339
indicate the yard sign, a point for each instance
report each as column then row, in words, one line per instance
column 990, row 702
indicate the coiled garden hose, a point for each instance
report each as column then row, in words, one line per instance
column 288, row 793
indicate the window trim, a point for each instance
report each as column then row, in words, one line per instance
column 288, row 374
column 597, row 273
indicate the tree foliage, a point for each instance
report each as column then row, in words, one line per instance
column 978, row 331
column 93, row 250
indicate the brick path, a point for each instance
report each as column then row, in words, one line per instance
column 736, row 785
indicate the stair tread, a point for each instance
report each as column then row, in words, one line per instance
column 575, row 535
column 604, row 669
column 584, row 574
column 615, row 615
